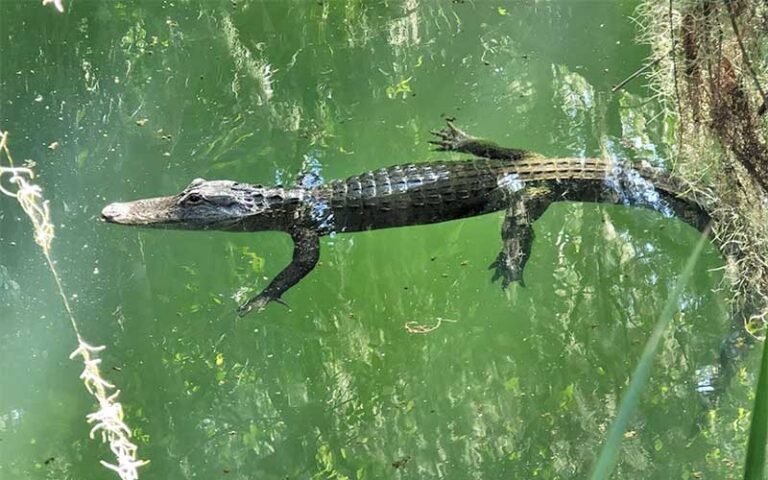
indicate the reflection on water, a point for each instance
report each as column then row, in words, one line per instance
column 633, row 189
column 143, row 97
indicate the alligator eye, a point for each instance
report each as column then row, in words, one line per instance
column 193, row 199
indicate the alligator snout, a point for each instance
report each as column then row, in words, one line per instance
column 114, row 212
column 158, row 212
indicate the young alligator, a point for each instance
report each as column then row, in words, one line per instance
column 498, row 178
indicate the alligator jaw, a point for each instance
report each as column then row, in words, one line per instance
column 159, row 212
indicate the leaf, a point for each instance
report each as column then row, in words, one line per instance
column 81, row 157
column 758, row 429
column 566, row 396
column 512, row 384
column 606, row 461
column 256, row 262
column 402, row 88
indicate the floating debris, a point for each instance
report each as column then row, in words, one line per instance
column 414, row 327
column 57, row 4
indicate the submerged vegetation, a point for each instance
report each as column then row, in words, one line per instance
column 421, row 373
column 107, row 421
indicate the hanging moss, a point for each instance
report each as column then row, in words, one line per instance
column 711, row 75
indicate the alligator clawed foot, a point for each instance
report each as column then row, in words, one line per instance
column 259, row 303
column 506, row 270
column 450, row 138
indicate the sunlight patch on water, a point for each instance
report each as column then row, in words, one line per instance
column 575, row 96
column 405, row 30
column 311, row 177
column 311, row 171
column 257, row 69
column 633, row 189
column 706, row 379
column 57, row 4
column 636, row 121
column 511, row 183
column 322, row 214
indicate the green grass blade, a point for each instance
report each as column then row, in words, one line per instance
column 758, row 430
column 607, row 459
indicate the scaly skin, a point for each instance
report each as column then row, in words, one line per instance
column 498, row 178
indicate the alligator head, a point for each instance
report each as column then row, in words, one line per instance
column 203, row 205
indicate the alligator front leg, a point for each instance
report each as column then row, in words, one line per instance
column 306, row 252
column 453, row 139
column 517, row 239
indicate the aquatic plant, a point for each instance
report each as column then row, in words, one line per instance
column 758, row 431
column 108, row 419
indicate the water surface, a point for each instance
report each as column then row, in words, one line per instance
column 142, row 97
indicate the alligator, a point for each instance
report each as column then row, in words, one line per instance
column 497, row 178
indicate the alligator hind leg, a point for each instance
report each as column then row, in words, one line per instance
column 517, row 239
column 453, row 139
column 306, row 252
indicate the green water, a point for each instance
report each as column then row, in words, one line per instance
column 144, row 96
